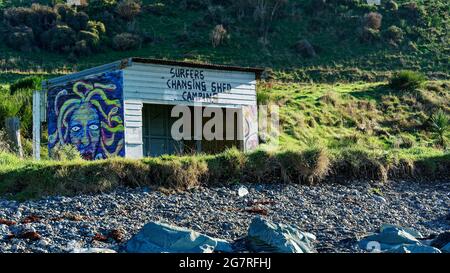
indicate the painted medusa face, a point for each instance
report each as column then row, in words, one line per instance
column 84, row 130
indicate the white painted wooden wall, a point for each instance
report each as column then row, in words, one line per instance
column 147, row 83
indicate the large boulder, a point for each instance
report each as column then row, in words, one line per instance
column 411, row 231
column 446, row 248
column 414, row 248
column 441, row 240
column 265, row 236
column 388, row 238
column 156, row 237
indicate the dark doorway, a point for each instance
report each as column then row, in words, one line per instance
column 157, row 125
column 156, row 130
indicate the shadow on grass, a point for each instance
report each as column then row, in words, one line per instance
column 374, row 93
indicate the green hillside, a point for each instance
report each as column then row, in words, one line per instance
column 331, row 65
column 344, row 51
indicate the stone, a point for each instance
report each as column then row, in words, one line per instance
column 441, row 240
column 4, row 231
column 389, row 238
column 242, row 191
column 157, row 237
column 411, row 231
column 266, row 236
column 93, row 250
column 414, row 248
column 446, row 248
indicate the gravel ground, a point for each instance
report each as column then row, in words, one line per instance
column 337, row 214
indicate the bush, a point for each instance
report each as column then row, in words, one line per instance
column 391, row 5
column 17, row 16
column 440, row 125
column 21, row 38
column 358, row 163
column 309, row 166
column 406, row 80
column 219, row 35
column 60, row 38
column 27, row 83
column 92, row 39
column 305, row 48
column 126, row 41
column 38, row 17
column 5, row 146
column 128, row 9
column 394, row 34
column 369, row 35
column 373, row 20
column 412, row 11
column 96, row 27
column 64, row 11
column 65, row 152
column 77, row 21
column 99, row 6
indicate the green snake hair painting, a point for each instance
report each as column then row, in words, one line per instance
column 88, row 114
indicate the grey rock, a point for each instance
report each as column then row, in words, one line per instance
column 414, row 248
column 446, row 248
column 266, row 236
column 156, row 237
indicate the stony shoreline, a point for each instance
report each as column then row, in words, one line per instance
column 338, row 214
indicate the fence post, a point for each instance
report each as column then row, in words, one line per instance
column 12, row 125
column 36, row 124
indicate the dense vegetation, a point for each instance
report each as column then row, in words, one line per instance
column 364, row 91
column 332, row 40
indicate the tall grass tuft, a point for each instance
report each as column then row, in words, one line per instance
column 406, row 80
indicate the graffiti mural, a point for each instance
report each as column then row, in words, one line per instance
column 88, row 114
column 250, row 115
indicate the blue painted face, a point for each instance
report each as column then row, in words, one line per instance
column 84, row 126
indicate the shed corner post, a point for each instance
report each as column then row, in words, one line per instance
column 36, row 124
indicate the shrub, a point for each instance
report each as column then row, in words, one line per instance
column 43, row 18
column 99, row 6
column 218, row 35
column 65, row 152
column 358, row 163
column 27, row 83
column 63, row 11
column 38, row 17
column 309, row 166
column 391, row 5
column 406, row 80
column 96, row 27
column 394, row 34
column 92, row 39
column 77, row 21
column 305, row 48
column 59, row 38
column 128, row 9
column 226, row 167
column 412, row 11
column 21, row 38
column 126, row 41
column 17, row 16
column 440, row 125
column 373, row 20
column 369, row 35
column 5, row 146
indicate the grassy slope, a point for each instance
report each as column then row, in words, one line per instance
column 366, row 128
column 184, row 35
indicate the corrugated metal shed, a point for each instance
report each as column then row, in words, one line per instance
column 156, row 81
